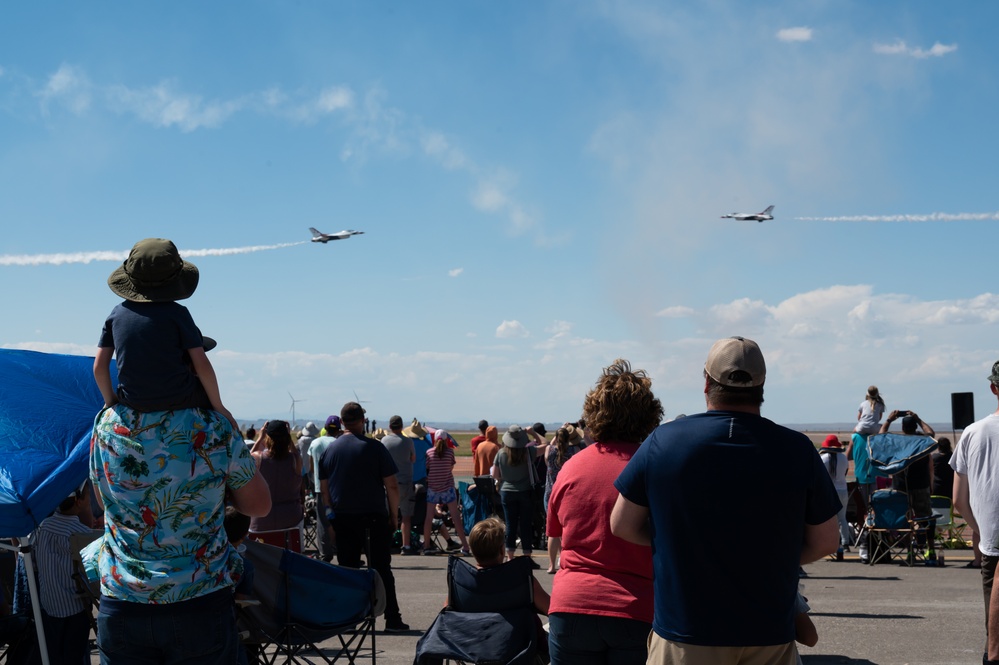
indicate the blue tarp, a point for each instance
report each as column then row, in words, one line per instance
column 47, row 407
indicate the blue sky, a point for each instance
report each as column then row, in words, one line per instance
column 540, row 185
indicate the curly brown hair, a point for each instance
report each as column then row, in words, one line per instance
column 621, row 406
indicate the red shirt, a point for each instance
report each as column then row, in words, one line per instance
column 599, row 573
column 476, row 440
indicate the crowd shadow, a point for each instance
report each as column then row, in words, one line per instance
column 862, row 615
column 835, row 660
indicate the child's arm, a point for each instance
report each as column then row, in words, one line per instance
column 102, row 374
column 206, row 374
column 541, row 598
column 804, row 630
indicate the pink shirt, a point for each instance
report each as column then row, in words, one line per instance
column 600, row 573
column 439, row 475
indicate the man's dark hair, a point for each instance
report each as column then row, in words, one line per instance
column 352, row 412
column 909, row 424
column 720, row 395
column 483, row 426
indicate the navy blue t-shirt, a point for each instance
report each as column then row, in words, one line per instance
column 150, row 342
column 729, row 495
column 355, row 468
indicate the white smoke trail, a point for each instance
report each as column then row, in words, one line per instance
column 88, row 257
column 932, row 217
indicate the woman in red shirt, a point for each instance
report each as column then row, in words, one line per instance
column 601, row 601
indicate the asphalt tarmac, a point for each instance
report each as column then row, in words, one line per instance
column 885, row 614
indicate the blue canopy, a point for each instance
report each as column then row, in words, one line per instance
column 47, row 407
column 893, row 453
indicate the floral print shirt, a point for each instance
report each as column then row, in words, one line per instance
column 163, row 477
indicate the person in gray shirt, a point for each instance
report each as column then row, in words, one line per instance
column 403, row 453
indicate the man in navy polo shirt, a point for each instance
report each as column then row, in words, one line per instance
column 702, row 491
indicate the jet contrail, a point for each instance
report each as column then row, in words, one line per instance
column 932, row 217
column 87, row 257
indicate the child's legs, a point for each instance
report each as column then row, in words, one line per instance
column 427, row 523
column 459, row 526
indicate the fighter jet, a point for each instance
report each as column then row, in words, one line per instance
column 319, row 236
column 747, row 217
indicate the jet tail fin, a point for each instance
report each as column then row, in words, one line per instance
column 768, row 211
column 315, row 233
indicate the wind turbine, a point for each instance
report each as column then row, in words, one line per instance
column 293, row 402
column 358, row 399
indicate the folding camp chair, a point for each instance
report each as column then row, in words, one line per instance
column 304, row 601
column 893, row 531
column 475, row 506
column 943, row 510
column 891, row 522
column 310, row 523
column 489, row 618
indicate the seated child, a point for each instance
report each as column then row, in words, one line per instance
column 236, row 526
column 487, row 543
column 152, row 336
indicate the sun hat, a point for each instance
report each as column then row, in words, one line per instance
column 415, row 431
column 310, row 429
column 736, row 362
column 832, row 441
column 575, row 436
column 154, row 272
column 515, row 437
column 380, row 433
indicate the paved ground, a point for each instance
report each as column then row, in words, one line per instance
column 885, row 614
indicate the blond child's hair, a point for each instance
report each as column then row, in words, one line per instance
column 486, row 541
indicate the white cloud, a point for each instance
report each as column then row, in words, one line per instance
column 334, row 99
column 70, row 86
column 799, row 34
column 162, row 106
column 436, row 145
column 489, row 196
column 901, row 48
column 511, row 329
column 675, row 312
column 454, row 272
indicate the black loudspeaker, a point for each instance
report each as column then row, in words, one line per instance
column 962, row 409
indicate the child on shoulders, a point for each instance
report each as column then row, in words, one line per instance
column 153, row 337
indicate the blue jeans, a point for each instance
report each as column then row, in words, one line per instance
column 205, row 636
column 588, row 639
column 518, row 511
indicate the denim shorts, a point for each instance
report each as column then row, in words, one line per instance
column 442, row 496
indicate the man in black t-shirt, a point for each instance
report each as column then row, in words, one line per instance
column 356, row 476
column 915, row 480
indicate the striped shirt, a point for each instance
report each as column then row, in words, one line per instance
column 55, row 565
column 439, row 476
